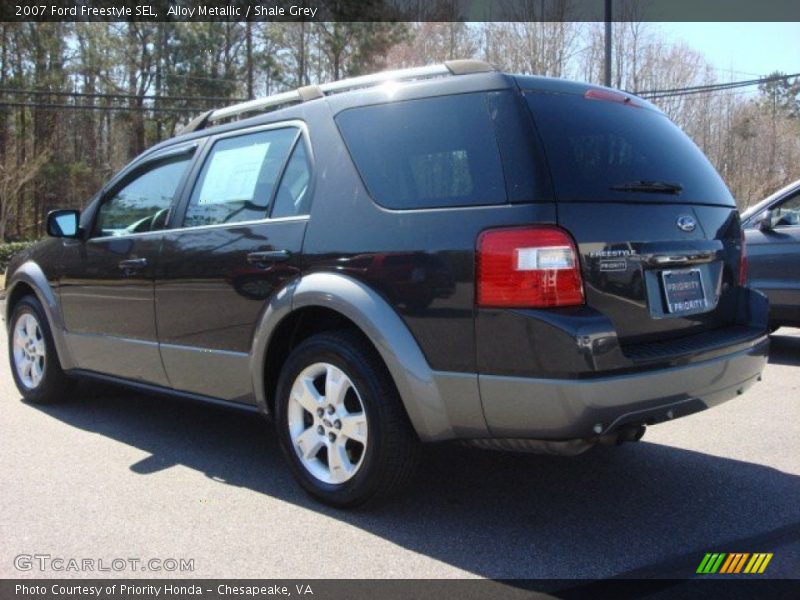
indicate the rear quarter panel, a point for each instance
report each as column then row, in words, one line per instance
column 421, row 261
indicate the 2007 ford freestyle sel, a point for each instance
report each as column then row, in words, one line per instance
column 431, row 254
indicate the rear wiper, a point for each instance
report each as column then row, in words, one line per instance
column 652, row 187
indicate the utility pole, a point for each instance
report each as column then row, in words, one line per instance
column 249, row 57
column 607, row 78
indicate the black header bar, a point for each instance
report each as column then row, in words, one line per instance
column 398, row 10
column 730, row 588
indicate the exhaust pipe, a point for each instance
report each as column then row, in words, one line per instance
column 631, row 433
column 628, row 433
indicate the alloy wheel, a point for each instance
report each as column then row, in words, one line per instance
column 327, row 423
column 29, row 350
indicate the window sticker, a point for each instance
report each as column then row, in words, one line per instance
column 233, row 174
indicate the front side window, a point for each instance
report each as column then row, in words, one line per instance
column 238, row 178
column 143, row 203
column 427, row 153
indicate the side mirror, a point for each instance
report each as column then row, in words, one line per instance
column 63, row 223
column 765, row 222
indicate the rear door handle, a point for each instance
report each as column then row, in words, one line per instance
column 132, row 263
column 268, row 256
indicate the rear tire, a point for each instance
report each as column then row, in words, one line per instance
column 340, row 422
column 34, row 361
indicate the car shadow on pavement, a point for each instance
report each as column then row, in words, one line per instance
column 785, row 349
column 607, row 512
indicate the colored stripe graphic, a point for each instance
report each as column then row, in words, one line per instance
column 765, row 563
column 711, row 562
column 703, row 563
column 741, row 562
column 758, row 563
column 732, row 558
column 734, row 562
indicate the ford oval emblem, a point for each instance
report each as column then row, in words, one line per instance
column 686, row 223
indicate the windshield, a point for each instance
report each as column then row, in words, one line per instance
column 600, row 150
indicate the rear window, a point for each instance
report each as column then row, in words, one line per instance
column 594, row 145
column 433, row 152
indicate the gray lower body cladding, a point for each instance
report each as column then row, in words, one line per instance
column 555, row 409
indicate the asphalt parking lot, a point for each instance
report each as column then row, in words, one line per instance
column 114, row 474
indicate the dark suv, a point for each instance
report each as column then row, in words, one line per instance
column 431, row 254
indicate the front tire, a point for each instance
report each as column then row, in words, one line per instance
column 340, row 421
column 32, row 354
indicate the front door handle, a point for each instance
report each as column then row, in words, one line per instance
column 268, row 256
column 132, row 264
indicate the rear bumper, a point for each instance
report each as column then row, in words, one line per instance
column 564, row 409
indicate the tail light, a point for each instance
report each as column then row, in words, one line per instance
column 743, row 262
column 528, row 267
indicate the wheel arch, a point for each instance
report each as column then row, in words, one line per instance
column 29, row 279
column 344, row 301
column 14, row 294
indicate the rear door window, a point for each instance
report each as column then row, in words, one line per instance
column 294, row 197
column 238, row 178
column 595, row 145
column 427, row 153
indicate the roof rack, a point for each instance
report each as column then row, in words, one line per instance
column 312, row 92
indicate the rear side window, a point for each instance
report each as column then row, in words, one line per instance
column 293, row 197
column 428, row 153
column 238, row 178
column 593, row 146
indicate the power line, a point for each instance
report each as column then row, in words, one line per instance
column 24, row 92
column 48, row 106
column 651, row 94
column 201, row 78
column 728, row 93
column 696, row 93
column 713, row 87
column 732, row 71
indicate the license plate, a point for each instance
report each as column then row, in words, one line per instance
column 683, row 290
